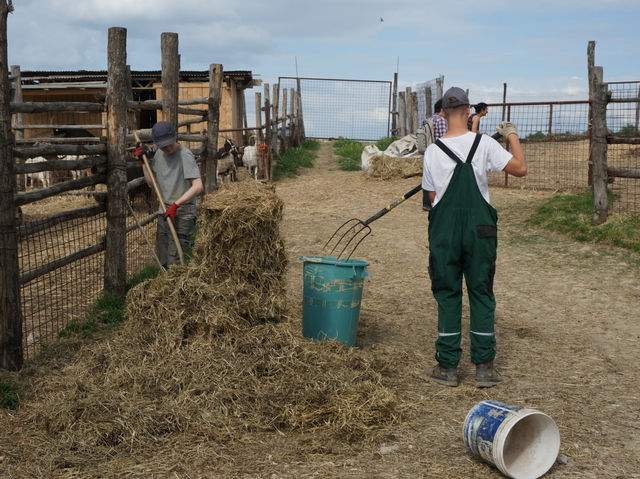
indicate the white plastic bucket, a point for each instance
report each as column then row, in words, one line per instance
column 522, row 443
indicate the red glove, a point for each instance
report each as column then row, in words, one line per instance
column 140, row 151
column 171, row 212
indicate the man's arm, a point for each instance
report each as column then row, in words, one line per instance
column 432, row 196
column 195, row 189
column 517, row 165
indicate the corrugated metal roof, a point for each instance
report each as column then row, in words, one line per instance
column 48, row 76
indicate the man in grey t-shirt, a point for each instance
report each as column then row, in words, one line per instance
column 179, row 182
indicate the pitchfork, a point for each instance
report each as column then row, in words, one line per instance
column 354, row 231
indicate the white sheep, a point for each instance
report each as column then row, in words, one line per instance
column 43, row 177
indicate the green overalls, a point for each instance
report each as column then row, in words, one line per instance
column 463, row 238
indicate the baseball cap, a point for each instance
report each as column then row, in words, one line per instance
column 163, row 134
column 453, row 97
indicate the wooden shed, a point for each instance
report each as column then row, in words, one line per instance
column 91, row 86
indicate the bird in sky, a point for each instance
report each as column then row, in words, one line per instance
column 381, row 19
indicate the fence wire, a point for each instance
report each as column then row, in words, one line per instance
column 435, row 87
column 623, row 115
column 555, row 140
column 333, row 108
column 54, row 300
column 50, row 302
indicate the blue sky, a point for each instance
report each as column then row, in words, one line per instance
column 537, row 48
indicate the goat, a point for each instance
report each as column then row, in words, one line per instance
column 43, row 177
column 75, row 174
column 250, row 160
column 229, row 157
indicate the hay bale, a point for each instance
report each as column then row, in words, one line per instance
column 389, row 167
column 207, row 353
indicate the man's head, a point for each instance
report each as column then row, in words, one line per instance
column 454, row 97
column 164, row 136
column 438, row 106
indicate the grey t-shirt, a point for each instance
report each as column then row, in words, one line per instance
column 173, row 173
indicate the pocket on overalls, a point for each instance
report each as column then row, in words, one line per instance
column 487, row 231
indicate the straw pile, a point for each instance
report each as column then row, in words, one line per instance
column 387, row 167
column 208, row 354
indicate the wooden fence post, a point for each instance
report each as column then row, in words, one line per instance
column 267, row 132
column 11, row 354
column 402, row 129
column 408, row 97
column 300, row 114
column 394, row 107
column 115, row 259
column 638, row 112
column 591, row 80
column 599, row 149
column 259, row 134
column 283, row 127
column 292, row 123
column 275, row 103
column 18, row 118
column 428, row 103
column 213, row 127
column 414, row 112
column 170, row 77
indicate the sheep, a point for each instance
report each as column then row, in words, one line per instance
column 43, row 177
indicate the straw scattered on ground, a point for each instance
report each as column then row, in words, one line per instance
column 207, row 355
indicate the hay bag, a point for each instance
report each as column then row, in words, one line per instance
column 208, row 353
column 387, row 167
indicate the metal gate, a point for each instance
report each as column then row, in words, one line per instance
column 333, row 108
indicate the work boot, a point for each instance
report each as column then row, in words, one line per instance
column 486, row 375
column 444, row 376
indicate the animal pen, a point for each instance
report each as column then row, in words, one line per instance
column 569, row 145
column 54, row 268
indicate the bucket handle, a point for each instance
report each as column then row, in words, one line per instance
column 311, row 259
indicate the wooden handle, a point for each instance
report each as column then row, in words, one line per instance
column 172, row 228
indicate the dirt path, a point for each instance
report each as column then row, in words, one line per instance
column 567, row 326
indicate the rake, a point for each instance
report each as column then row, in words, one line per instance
column 352, row 232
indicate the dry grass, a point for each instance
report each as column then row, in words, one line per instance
column 207, row 355
column 390, row 167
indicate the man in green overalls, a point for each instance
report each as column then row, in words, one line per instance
column 463, row 236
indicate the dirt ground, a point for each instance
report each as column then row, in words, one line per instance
column 567, row 329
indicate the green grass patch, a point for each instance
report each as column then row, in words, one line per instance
column 383, row 143
column 310, row 144
column 109, row 310
column 571, row 215
column 9, row 394
column 349, row 154
column 287, row 164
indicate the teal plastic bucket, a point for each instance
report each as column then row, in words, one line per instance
column 331, row 298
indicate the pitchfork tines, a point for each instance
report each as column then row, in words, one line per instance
column 351, row 232
column 354, row 231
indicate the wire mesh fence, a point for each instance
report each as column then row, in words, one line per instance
column 333, row 108
column 555, row 140
column 623, row 115
column 53, row 300
column 435, row 88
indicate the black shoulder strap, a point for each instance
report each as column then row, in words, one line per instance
column 449, row 153
column 474, row 147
